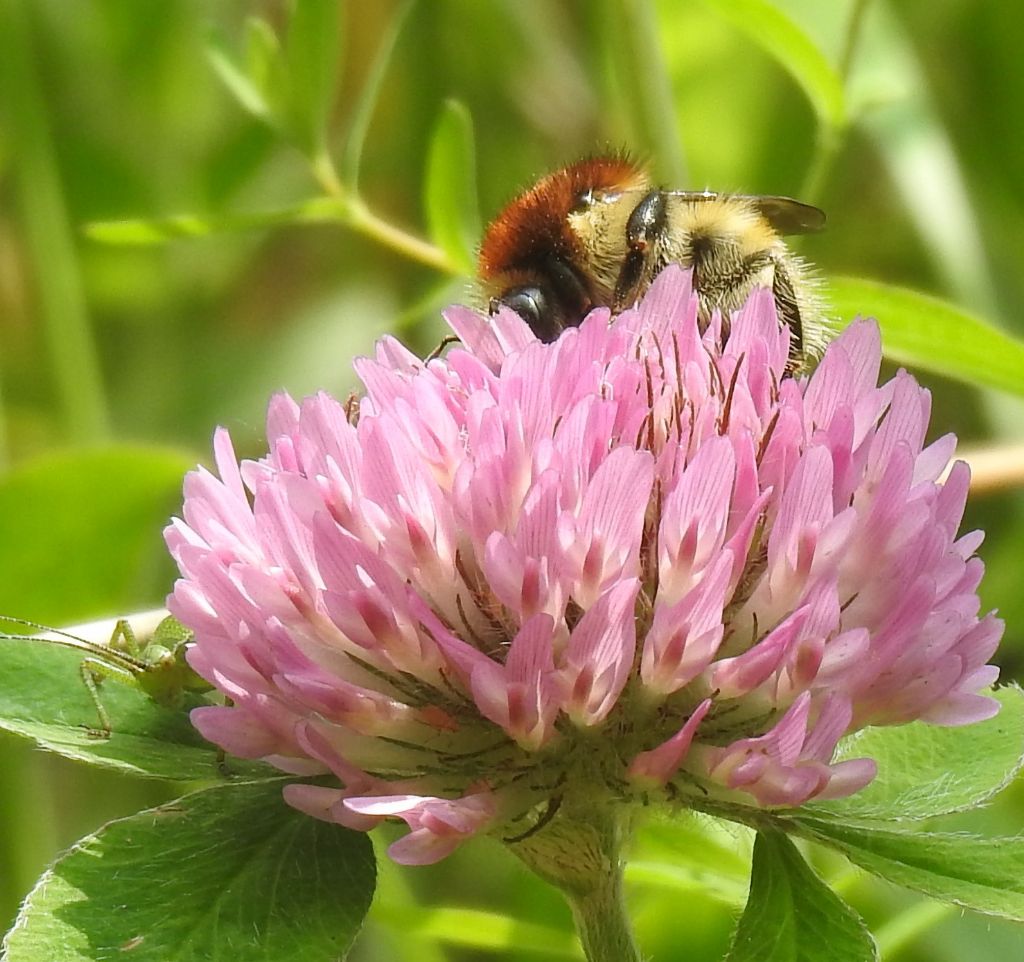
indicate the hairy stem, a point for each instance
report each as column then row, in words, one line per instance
column 579, row 853
column 601, row 921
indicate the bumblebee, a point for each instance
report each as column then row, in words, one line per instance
column 596, row 233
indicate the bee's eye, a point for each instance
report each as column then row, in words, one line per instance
column 534, row 307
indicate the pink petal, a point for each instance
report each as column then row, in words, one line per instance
column 657, row 766
column 599, row 655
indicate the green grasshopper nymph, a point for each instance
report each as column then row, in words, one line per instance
column 147, row 657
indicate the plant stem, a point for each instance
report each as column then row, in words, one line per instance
column 325, row 174
column 826, row 149
column 579, row 853
column 995, row 467
column 601, row 920
column 359, row 217
column 362, row 219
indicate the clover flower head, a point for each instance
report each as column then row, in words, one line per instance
column 637, row 563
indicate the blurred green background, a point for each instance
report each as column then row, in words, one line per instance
column 903, row 120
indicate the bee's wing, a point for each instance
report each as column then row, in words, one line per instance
column 786, row 215
column 790, row 216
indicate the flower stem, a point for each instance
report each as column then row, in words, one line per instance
column 579, row 853
column 831, row 138
column 601, row 921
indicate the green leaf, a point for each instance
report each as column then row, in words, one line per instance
column 450, row 198
column 145, row 232
column 792, row 915
column 926, row 770
column 225, row 873
column 785, row 41
column 266, row 68
column 932, row 334
column 312, row 55
column 249, row 93
column 43, row 698
column 985, row 874
column 102, row 511
column 366, row 103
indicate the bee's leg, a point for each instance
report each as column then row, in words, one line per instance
column 439, row 350
column 789, row 314
column 645, row 227
column 718, row 276
column 93, row 671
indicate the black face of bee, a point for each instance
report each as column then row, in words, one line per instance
column 534, row 306
column 558, row 300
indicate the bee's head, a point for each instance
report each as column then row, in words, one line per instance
column 533, row 261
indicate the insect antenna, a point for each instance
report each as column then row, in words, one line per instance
column 57, row 636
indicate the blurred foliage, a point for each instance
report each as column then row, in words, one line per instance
column 287, row 178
